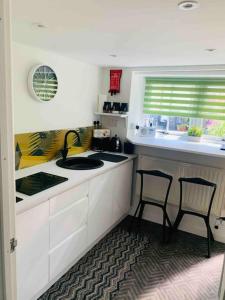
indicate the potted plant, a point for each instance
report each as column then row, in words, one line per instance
column 182, row 127
column 194, row 134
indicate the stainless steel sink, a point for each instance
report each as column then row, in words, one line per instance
column 80, row 163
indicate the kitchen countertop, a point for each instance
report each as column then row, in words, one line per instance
column 176, row 143
column 75, row 177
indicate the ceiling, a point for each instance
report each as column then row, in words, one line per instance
column 139, row 32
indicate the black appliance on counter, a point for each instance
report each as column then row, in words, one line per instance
column 100, row 140
column 100, row 144
column 128, row 148
column 115, row 144
column 37, row 183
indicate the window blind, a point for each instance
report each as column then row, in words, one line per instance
column 186, row 97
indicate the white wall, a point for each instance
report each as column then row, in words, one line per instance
column 117, row 126
column 124, row 94
column 74, row 103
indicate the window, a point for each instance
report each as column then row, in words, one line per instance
column 178, row 103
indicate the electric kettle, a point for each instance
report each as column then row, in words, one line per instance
column 115, row 144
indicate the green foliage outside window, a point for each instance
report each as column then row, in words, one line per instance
column 217, row 129
column 195, row 131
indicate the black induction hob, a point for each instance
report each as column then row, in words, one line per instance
column 37, row 182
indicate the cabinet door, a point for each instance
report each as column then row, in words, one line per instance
column 32, row 251
column 62, row 256
column 68, row 221
column 100, row 205
column 122, row 177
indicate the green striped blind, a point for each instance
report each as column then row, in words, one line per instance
column 186, row 97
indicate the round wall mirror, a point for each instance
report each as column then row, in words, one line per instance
column 43, row 83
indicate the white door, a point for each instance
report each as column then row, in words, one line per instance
column 7, row 191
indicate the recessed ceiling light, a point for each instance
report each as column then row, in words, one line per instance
column 210, row 49
column 188, row 5
column 39, row 25
column 113, row 55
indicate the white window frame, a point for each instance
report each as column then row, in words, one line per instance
column 138, row 83
column 192, row 71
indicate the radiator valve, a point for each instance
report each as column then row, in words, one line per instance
column 218, row 222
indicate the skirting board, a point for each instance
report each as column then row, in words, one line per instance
column 191, row 224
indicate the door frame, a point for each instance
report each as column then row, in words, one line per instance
column 7, row 169
column 222, row 283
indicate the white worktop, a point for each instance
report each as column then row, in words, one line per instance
column 177, row 143
column 75, row 177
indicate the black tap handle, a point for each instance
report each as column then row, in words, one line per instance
column 64, row 153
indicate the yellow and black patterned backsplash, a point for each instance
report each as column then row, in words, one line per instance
column 38, row 147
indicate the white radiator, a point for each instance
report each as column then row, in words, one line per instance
column 195, row 197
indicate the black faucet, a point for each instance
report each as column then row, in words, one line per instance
column 65, row 149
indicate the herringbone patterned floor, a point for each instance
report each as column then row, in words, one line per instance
column 137, row 266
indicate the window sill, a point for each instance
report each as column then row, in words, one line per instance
column 177, row 143
column 209, row 139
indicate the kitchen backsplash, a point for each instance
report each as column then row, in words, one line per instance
column 39, row 147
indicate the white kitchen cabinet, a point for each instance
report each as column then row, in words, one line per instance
column 32, row 229
column 53, row 235
column 67, row 251
column 100, row 205
column 122, row 177
column 109, row 199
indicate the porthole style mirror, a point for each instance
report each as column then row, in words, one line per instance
column 42, row 83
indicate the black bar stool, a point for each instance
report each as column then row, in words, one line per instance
column 181, row 211
column 154, row 202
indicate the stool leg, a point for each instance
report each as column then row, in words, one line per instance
column 164, row 225
column 131, row 223
column 170, row 226
column 211, row 234
column 208, row 238
column 141, row 212
column 137, row 209
column 178, row 219
column 210, row 230
column 168, row 220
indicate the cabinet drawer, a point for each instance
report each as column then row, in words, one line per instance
column 67, row 252
column 67, row 198
column 68, row 221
